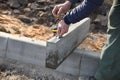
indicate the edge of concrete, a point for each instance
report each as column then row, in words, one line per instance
column 81, row 63
column 57, row 50
column 22, row 49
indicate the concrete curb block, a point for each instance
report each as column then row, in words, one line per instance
column 81, row 63
column 27, row 50
column 89, row 63
column 3, row 45
column 59, row 49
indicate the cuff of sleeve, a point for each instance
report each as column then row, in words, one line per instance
column 74, row 1
column 66, row 20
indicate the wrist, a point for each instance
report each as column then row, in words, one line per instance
column 66, row 20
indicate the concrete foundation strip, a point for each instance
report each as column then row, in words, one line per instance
column 45, row 54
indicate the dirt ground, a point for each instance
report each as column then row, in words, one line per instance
column 10, row 70
column 14, row 26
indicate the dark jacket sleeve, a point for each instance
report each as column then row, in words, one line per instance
column 74, row 1
column 82, row 11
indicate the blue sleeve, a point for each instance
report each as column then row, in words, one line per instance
column 74, row 1
column 82, row 11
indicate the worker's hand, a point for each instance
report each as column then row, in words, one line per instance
column 61, row 9
column 62, row 28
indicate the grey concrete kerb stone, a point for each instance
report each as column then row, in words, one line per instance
column 59, row 49
column 3, row 44
column 27, row 50
column 45, row 54
column 81, row 63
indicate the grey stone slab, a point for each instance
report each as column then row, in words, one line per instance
column 1, row 60
column 80, row 63
column 89, row 63
column 71, row 65
column 3, row 44
column 27, row 50
column 59, row 49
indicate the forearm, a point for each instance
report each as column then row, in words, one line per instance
column 82, row 11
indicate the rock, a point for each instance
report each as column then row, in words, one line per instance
column 34, row 6
column 101, row 19
column 13, row 3
column 40, row 21
column 8, row 73
column 3, row 6
column 31, row 1
column 16, row 11
column 23, row 2
column 2, row 67
column 17, row 3
column 25, row 19
column 42, row 14
column 51, row 77
column 6, row 12
column 34, row 20
column 27, row 10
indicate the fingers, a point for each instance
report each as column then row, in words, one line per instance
column 62, row 28
column 61, row 31
column 55, row 10
column 60, row 11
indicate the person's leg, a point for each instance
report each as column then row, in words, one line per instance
column 109, row 68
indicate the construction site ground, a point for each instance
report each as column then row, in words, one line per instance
column 40, row 30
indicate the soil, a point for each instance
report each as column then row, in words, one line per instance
column 14, row 26
column 5, row 76
column 94, row 42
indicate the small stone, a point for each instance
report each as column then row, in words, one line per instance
column 101, row 19
column 33, row 5
column 6, row 12
column 23, row 2
column 16, row 11
column 31, row 1
column 2, row 67
column 13, row 3
column 8, row 73
column 25, row 19
column 27, row 9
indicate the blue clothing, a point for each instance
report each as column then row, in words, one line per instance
column 82, row 11
column 74, row 1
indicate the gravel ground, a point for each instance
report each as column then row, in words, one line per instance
column 12, row 70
